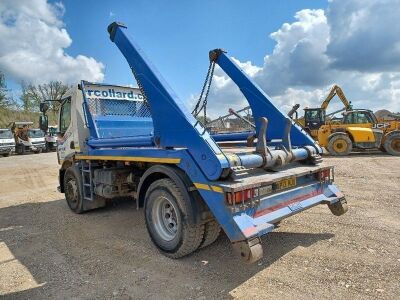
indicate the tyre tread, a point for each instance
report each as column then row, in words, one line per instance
column 192, row 234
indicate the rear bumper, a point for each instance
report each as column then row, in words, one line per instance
column 260, row 219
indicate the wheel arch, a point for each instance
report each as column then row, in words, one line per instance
column 180, row 179
column 346, row 133
column 68, row 162
column 390, row 133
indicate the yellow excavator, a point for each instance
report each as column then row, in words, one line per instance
column 314, row 118
column 358, row 129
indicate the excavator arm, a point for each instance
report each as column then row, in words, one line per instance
column 336, row 90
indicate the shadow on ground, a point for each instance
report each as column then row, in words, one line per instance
column 107, row 253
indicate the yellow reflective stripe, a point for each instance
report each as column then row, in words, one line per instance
column 217, row 189
column 202, row 186
column 131, row 158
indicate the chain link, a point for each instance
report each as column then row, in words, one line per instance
column 202, row 103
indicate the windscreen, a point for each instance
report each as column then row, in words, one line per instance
column 52, row 130
column 35, row 133
column 5, row 134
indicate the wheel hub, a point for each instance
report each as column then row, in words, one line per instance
column 165, row 218
column 339, row 146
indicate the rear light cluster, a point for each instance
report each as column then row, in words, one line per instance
column 247, row 194
column 324, row 175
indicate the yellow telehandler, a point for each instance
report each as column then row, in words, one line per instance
column 358, row 129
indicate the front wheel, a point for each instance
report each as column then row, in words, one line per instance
column 340, row 145
column 166, row 215
column 72, row 190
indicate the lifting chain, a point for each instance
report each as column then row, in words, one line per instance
column 202, row 103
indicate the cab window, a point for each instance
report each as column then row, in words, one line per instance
column 314, row 115
column 358, row 118
column 65, row 115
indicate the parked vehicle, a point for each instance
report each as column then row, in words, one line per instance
column 358, row 129
column 7, row 143
column 26, row 138
column 142, row 142
column 51, row 138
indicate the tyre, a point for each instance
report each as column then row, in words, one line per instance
column 339, row 208
column 72, row 190
column 340, row 145
column 211, row 233
column 166, row 214
column 37, row 151
column 7, row 154
column 392, row 143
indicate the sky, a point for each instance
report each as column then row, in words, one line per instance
column 295, row 50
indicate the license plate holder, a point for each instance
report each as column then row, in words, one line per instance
column 285, row 183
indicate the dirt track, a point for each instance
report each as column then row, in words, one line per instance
column 47, row 251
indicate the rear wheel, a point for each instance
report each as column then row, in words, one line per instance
column 339, row 208
column 392, row 144
column 72, row 190
column 166, row 215
column 7, row 154
column 340, row 145
column 211, row 233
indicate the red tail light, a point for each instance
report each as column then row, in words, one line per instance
column 324, row 175
column 241, row 196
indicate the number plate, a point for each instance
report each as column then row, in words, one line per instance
column 285, row 183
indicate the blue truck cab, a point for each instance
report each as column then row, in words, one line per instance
column 144, row 143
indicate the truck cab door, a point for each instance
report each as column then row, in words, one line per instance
column 65, row 144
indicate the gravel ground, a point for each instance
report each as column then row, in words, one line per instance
column 46, row 251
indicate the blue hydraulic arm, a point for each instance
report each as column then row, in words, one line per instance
column 261, row 104
column 174, row 125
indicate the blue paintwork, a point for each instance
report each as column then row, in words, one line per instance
column 252, row 225
column 200, row 157
column 121, row 126
column 137, row 141
column 234, row 136
column 174, row 125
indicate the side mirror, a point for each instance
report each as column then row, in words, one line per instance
column 44, row 123
column 44, row 106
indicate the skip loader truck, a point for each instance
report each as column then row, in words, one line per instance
column 143, row 143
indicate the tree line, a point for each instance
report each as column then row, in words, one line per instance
column 31, row 95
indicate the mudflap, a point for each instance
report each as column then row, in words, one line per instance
column 339, row 208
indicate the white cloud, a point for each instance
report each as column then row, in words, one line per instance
column 34, row 41
column 355, row 44
column 364, row 35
